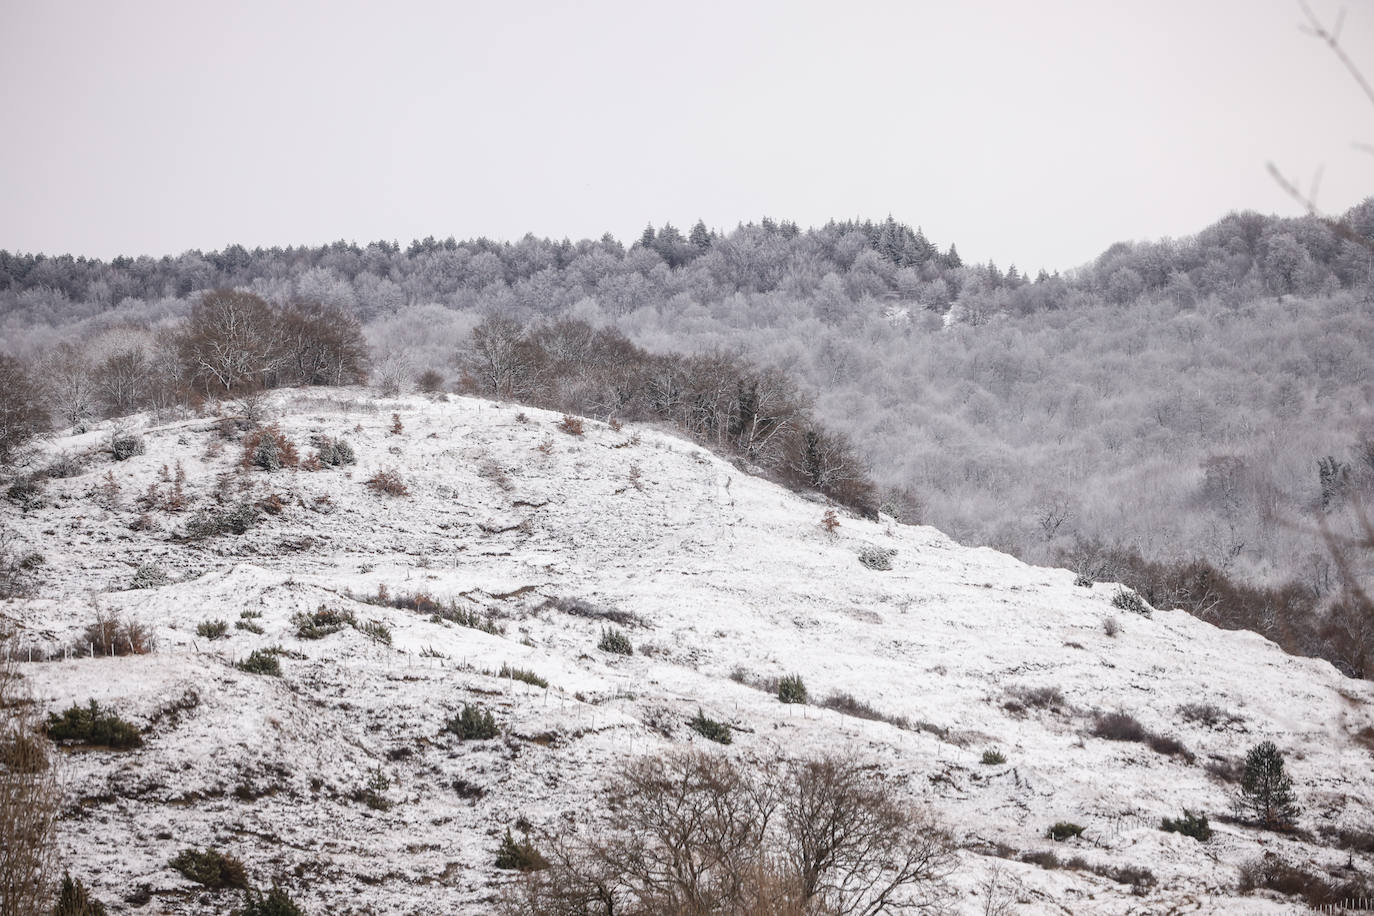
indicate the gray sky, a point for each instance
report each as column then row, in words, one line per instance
column 1031, row 133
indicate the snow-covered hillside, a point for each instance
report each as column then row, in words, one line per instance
column 730, row 580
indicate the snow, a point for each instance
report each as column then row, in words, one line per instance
column 727, row 570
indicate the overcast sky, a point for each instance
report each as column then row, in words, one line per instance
column 1030, row 133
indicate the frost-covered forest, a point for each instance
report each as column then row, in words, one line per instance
column 1187, row 412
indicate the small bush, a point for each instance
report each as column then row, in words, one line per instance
column 430, row 381
column 571, row 425
column 261, row 661
column 1111, row 626
column 333, row 452
column 993, row 758
column 219, row 520
column 521, row 674
column 850, row 705
column 1022, row 698
column 211, row 868
column 268, row 448
column 212, row 629
column 249, row 626
column 74, row 900
column 472, row 724
column 1191, row 824
column 1119, row 726
column 111, row 634
column 325, row 621
column 372, row 793
column 616, row 642
column 275, row 903
column 830, row 522
column 1082, row 581
column 521, row 855
column 1140, row 879
column 93, row 726
column 580, row 607
column 1046, row 859
column 63, row 466
column 1064, row 830
column 124, row 446
column 387, row 481
column 710, row 729
column 397, row 427
column 1127, row 600
column 376, row 631
column 877, row 558
column 1209, row 716
column 149, row 575
column 791, row 689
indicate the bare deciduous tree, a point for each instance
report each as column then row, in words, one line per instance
column 22, row 414
column 694, row 833
column 29, row 797
column 231, row 341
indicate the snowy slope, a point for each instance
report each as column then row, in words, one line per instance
column 726, row 571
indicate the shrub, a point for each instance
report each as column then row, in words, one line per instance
column 261, row 661
column 93, row 726
column 333, row 452
column 275, row 903
column 149, row 575
column 1044, row 858
column 850, row 705
column 222, row 520
column 1127, row 600
column 323, row 622
column 388, row 481
column 268, row 448
column 111, row 634
column 1082, row 581
column 1034, row 698
column 1193, row 825
column 1111, row 626
column 397, row 427
column 830, row 522
column 250, row 625
column 376, row 631
column 1266, row 791
column 74, row 900
column 211, row 868
column 519, row 856
column 124, row 446
column 580, row 607
column 472, row 724
column 1064, row 830
column 791, row 689
column 1208, row 715
column 877, row 558
column 212, row 629
column 993, row 758
column 710, row 729
column 430, row 381
column 1119, row 726
column 571, row 425
column 371, row 794
column 521, row 674
column 616, row 642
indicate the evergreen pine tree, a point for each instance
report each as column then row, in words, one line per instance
column 1266, row 791
column 700, row 236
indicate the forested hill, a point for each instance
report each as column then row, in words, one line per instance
column 840, row 267
column 1188, row 416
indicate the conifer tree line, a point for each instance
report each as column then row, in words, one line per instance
column 1186, row 415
